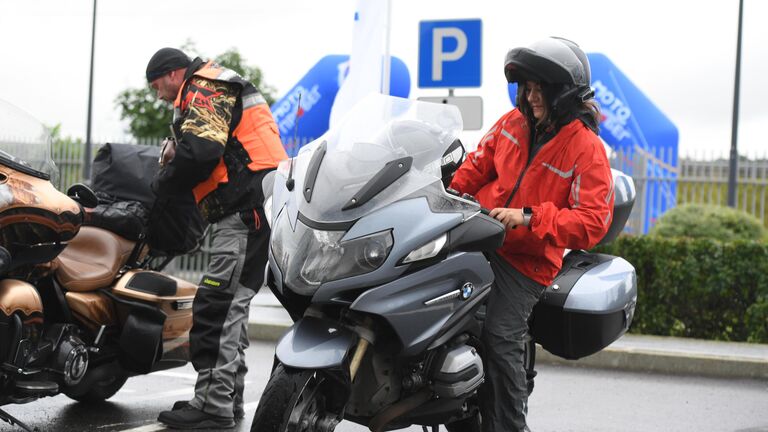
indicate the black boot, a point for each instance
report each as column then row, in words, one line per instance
column 237, row 412
column 189, row 417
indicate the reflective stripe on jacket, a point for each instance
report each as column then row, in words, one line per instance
column 568, row 184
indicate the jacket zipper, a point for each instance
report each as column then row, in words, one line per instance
column 527, row 164
column 517, row 185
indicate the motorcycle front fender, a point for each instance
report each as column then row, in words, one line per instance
column 315, row 343
column 19, row 296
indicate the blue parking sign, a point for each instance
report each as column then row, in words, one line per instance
column 450, row 53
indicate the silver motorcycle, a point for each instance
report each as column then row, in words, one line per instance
column 385, row 275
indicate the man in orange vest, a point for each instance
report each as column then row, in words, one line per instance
column 225, row 141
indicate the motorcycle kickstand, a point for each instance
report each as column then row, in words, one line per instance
column 14, row 421
column 434, row 428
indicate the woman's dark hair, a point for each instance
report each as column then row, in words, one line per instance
column 567, row 108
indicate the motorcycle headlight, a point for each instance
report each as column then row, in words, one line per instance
column 428, row 250
column 329, row 259
column 309, row 257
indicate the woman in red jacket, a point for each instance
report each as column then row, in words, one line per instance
column 543, row 172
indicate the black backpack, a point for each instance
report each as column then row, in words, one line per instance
column 123, row 173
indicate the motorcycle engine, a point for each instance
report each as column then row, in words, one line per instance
column 70, row 359
column 457, row 372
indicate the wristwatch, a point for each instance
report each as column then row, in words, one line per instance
column 527, row 214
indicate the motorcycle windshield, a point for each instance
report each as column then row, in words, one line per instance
column 385, row 149
column 25, row 144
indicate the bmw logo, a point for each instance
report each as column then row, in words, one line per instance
column 466, row 290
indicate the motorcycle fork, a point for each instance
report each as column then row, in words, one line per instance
column 357, row 359
column 366, row 339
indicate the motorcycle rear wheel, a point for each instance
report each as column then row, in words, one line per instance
column 293, row 401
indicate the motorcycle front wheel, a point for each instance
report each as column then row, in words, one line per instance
column 293, row 401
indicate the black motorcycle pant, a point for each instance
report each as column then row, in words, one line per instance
column 504, row 394
column 219, row 335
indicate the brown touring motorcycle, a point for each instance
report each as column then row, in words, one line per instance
column 82, row 308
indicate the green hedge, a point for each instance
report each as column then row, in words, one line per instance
column 698, row 288
column 709, row 221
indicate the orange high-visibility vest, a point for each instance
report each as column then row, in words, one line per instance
column 256, row 131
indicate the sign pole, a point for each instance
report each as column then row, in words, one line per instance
column 87, row 153
column 734, row 162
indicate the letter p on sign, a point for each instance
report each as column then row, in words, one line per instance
column 439, row 56
column 450, row 53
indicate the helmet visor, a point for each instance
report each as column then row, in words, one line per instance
column 525, row 64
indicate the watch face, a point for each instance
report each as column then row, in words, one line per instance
column 527, row 214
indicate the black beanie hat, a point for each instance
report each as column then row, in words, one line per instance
column 164, row 61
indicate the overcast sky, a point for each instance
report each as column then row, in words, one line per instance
column 681, row 54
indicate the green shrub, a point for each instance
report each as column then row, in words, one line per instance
column 698, row 287
column 709, row 222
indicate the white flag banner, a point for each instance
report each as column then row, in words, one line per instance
column 366, row 61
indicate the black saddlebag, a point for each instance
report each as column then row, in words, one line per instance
column 124, row 218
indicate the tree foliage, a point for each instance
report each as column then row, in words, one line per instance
column 233, row 60
column 149, row 117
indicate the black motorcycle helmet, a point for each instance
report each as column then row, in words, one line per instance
column 559, row 65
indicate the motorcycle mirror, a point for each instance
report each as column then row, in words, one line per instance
column 452, row 159
column 83, row 194
column 267, row 184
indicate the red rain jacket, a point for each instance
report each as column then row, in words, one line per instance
column 568, row 184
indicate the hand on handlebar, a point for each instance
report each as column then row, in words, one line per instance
column 467, row 197
column 510, row 217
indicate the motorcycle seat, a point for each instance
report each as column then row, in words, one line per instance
column 92, row 259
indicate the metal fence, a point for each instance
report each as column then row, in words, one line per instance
column 656, row 176
column 707, row 182
column 697, row 178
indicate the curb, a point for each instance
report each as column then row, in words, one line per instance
column 662, row 362
column 268, row 332
column 618, row 358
